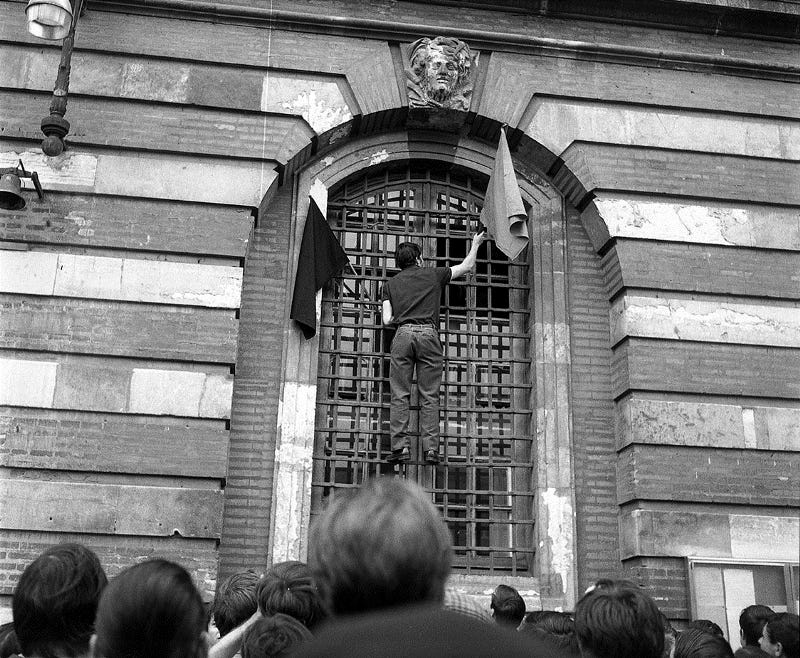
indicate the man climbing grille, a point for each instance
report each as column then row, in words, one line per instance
column 411, row 301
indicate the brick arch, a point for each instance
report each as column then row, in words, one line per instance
column 532, row 155
column 268, row 488
column 339, row 153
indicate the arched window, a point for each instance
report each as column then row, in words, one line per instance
column 484, row 484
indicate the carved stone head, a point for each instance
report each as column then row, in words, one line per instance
column 440, row 74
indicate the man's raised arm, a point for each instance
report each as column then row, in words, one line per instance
column 468, row 264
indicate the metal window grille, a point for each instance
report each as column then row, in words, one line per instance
column 483, row 486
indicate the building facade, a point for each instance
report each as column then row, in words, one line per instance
column 623, row 399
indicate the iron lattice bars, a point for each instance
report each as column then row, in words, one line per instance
column 483, row 486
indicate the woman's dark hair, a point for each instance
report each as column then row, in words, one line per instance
column 696, row 643
column 288, row 588
column 406, row 254
column 784, row 627
column 151, row 610
column 752, row 621
column 55, row 601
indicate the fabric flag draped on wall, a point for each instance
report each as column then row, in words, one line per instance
column 321, row 258
column 503, row 213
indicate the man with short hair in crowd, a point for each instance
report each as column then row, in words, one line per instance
column 235, row 601
column 288, row 588
column 751, row 623
column 508, row 607
column 55, row 602
column 380, row 556
column 617, row 619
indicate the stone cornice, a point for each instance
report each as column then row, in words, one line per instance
column 380, row 28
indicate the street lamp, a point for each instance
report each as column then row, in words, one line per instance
column 49, row 19
column 55, row 20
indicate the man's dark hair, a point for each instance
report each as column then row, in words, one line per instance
column 288, row 588
column 406, row 254
column 508, row 606
column 696, row 643
column 751, row 621
column 784, row 627
column 235, row 601
column 151, row 610
column 707, row 626
column 557, row 629
column 617, row 619
column 274, row 637
column 381, row 546
column 55, row 602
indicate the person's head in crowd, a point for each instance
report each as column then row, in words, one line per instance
column 8, row 640
column 288, row 588
column 273, row 637
column 697, row 643
column 617, row 619
column 508, row 607
column 555, row 628
column 151, row 610
column 707, row 626
column 383, row 545
column 751, row 623
column 235, row 601
column 55, row 602
column 781, row 636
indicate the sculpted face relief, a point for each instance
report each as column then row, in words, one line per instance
column 440, row 74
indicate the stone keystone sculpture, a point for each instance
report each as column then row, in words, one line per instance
column 440, row 74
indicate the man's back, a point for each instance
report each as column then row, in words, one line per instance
column 415, row 294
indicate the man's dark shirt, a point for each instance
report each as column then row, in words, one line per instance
column 421, row 632
column 416, row 293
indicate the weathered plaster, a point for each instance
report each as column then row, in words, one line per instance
column 293, row 469
column 710, row 320
column 688, row 533
column 682, row 221
column 557, row 122
column 318, row 99
column 125, row 279
column 705, row 424
column 151, row 175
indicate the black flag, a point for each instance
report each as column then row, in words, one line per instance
column 321, row 258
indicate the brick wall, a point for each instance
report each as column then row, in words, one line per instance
column 592, row 411
column 248, row 494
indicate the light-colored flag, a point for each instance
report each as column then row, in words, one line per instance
column 503, row 213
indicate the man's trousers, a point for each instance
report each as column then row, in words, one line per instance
column 415, row 345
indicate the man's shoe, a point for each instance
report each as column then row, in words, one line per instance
column 432, row 457
column 399, row 456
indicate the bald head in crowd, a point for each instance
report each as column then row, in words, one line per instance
column 383, row 545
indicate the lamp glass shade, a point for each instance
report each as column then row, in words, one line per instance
column 49, row 19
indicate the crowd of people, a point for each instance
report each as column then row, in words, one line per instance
column 374, row 585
